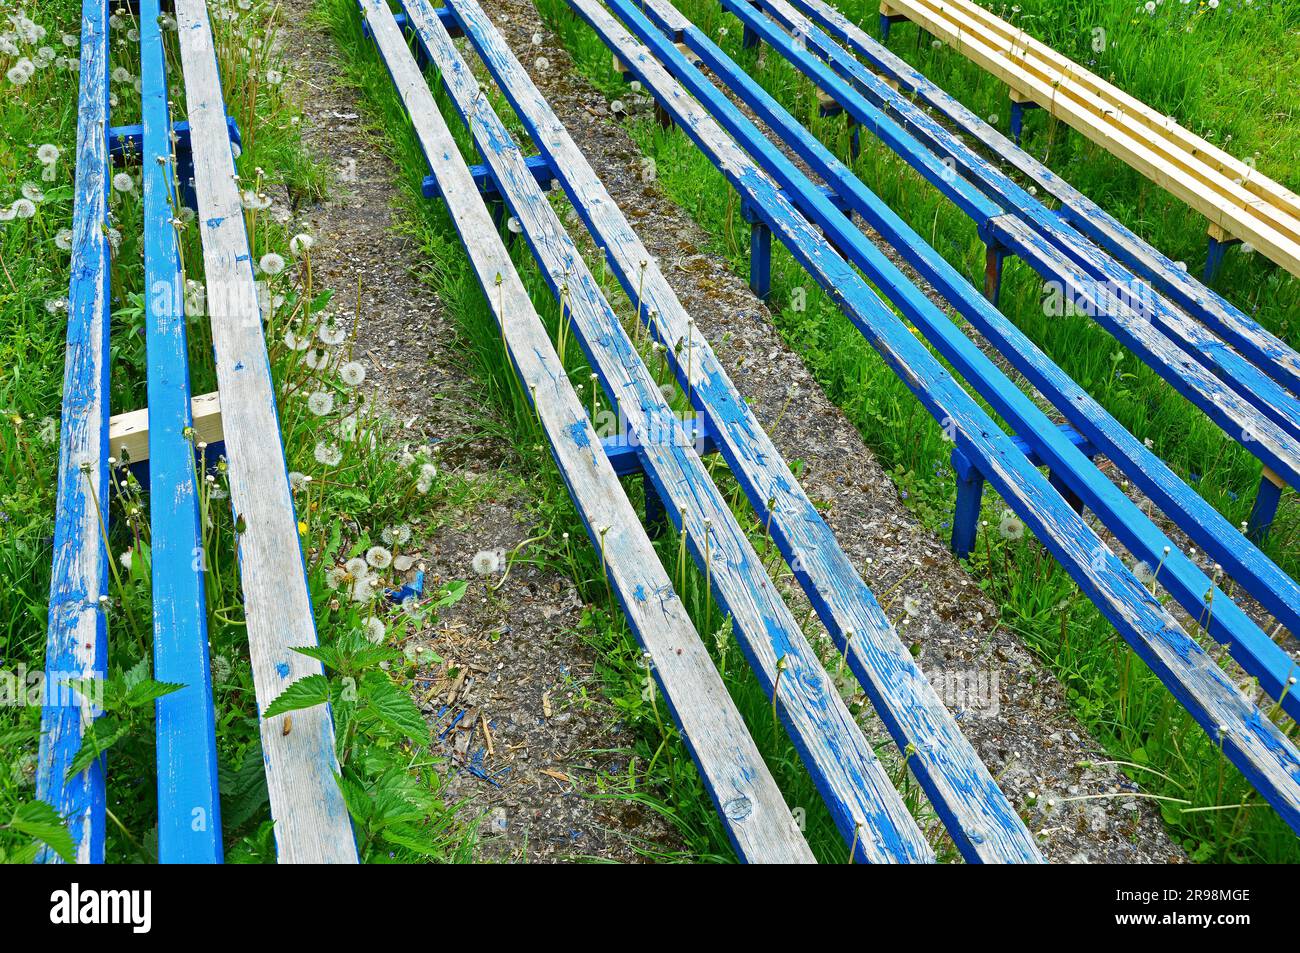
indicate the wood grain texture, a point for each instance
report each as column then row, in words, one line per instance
column 1266, row 350
column 1159, row 333
column 1264, row 755
column 128, row 433
column 749, row 803
column 77, row 640
column 189, row 798
column 1179, row 575
column 981, row 821
column 311, row 821
column 1262, row 220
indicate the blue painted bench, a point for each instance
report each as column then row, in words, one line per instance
column 1243, row 399
column 752, row 810
column 982, row 823
column 1247, row 737
column 312, row 823
column 1069, row 472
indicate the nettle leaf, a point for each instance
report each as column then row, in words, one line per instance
column 394, row 707
column 355, row 797
column 243, row 789
column 40, row 820
column 327, row 655
column 148, row 691
column 102, row 734
column 304, row 693
column 136, row 674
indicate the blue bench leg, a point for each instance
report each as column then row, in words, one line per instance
column 993, row 256
column 1215, row 249
column 1265, row 508
column 750, row 39
column 966, row 516
column 1018, row 117
column 760, row 260
column 855, row 140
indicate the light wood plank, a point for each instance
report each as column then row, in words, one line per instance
column 311, row 821
column 747, row 798
column 128, row 433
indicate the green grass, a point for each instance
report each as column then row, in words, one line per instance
column 361, row 486
column 1114, row 695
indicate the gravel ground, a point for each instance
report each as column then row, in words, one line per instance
column 1017, row 716
column 515, row 704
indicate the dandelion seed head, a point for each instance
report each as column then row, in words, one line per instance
column 320, row 402
column 375, row 630
column 379, row 557
column 353, row 373
column 271, row 264
column 486, row 562
column 122, row 182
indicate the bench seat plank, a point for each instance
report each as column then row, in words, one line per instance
column 77, row 637
column 312, row 824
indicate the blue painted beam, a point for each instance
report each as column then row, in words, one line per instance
column 1245, row 735
column 189, row 798
column 1081, row 481
column 1271, row 354
column 626, row 460
column 77, row 644
column 482, row 177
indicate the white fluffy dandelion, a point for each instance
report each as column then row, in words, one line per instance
column 301, row 243
column 320, row 402
column 379, row 557
column 271, row 264
column 424, row 481
column 1011, row 528
column 63, row 240
column 353, row 373
column 327, row 454
column 486, row 562
column 122, row 182
column 375, row 630
column 23, row 208
column 331, row 332
column 47, row 154
column 357, row 567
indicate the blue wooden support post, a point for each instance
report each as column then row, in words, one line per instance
column 749, row 39
column 1018, row 106
column 887, row 20
column 970, row 487
column 995, row 254
column 1217, row 243
column 627, row 462
column 760, row 252
column 1265, row 508
column 970, row 496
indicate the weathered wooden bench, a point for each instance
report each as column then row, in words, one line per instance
column 798, row 213
column 311, row 821
column 864, row 805
column 1240, row 203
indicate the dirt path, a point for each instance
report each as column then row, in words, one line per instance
column 516, row 671
column 1022, row 728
